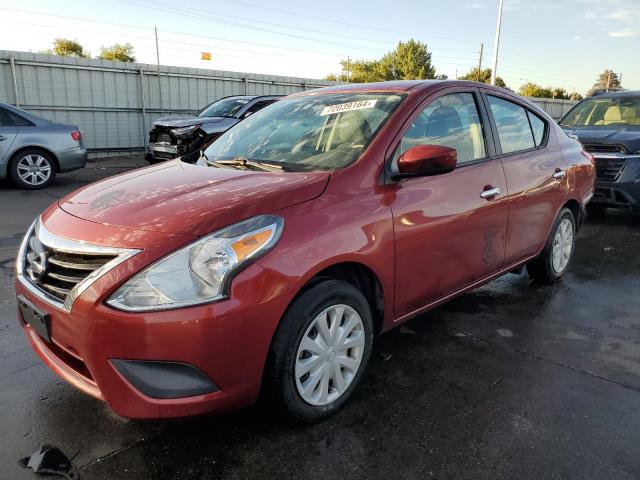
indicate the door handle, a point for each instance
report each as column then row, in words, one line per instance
column 2, row 137
column 489, row 193
column 558, row 174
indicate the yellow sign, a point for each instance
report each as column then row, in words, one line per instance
column 206, row 56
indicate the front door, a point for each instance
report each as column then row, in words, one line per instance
column 450, row 229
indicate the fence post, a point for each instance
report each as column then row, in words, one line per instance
column 144, row 112
column 15, row 80
column 246, row 85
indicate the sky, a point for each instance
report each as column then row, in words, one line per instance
column 559, row 43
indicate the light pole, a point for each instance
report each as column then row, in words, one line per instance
column 496, row 46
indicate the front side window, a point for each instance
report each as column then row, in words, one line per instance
column 310, row 132
column 512, row 123
column 604, row 112
column 451, row 121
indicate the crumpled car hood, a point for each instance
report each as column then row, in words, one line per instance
column 176, row 197
column 175, row 121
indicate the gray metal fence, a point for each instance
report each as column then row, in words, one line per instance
column 114, row 103
column 554, row 107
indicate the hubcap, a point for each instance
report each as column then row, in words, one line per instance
column 34, row 169
column 562, row 245
column 329, row 355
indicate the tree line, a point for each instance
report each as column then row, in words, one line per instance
column 121, row 52
column 411, row 60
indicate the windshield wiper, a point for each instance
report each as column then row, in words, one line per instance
column 246, row 163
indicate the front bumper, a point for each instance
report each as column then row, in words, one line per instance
column 161, row 151
column 227, row 342
column 623, row 192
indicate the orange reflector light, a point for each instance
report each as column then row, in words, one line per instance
column 245, row 247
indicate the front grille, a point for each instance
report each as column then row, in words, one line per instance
column 57, row 272
column 609, row 169
column 603, row 148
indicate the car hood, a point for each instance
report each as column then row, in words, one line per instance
column 176, row 197
column 177, row 121
column 629, row 137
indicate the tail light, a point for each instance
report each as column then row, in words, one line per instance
column 76, row 135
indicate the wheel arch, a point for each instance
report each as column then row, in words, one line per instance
column 14, row 155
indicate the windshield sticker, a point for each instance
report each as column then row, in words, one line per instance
column 348, row 107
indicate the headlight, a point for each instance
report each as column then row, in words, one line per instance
column 184, row 131
column 200, row 272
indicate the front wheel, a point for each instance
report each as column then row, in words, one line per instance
column 552, row 263
column 320, row 350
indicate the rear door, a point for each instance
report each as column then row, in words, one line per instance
column 8, row 133
column 448, row 231
column 533, row 167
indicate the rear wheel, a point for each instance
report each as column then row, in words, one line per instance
column 320, row 350
column 552, row 263
column 32, row 169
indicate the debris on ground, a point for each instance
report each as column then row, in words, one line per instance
column 48, row 460
column 407, row 331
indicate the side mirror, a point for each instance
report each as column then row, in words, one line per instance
column 427, row 160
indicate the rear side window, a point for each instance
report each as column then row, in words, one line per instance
column 537, row 127
column 5, row 121
column 512, row 124
column 18, row 121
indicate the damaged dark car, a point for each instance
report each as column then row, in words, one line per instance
column 608, row 126
column 185, row 137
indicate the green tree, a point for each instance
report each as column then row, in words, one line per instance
column 530, row 89
column 67, row 48
column 607, row 81
column 118, row 52
column 575, row 96
column 485, row 77
column 410, row 60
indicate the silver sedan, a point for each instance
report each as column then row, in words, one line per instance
column 33, row 150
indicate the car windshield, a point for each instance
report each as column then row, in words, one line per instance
column 226, row 107
column 602, row 112
column 311, row 132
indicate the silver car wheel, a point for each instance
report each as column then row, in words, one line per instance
column 34, row 169
column 562, row 245
column 329, row 355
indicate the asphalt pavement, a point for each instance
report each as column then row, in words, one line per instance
column 513, row 380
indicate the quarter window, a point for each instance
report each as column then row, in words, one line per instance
column 537, row 127
column 512, row 124
column 5, row 121
column 451, row 121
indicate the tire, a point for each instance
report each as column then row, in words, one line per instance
column 43, row 169
column 284, row 387
column 543, row 268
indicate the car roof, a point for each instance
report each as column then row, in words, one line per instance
column 623, row 93
column 397, row 86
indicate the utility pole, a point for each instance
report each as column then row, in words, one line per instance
column 480, row 61
column 348, row 69
column 609, row 81
column 155, row 29
column 496, row 46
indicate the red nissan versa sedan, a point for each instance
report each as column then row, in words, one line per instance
column 315, row 224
